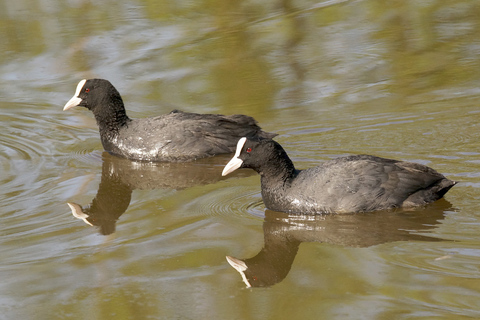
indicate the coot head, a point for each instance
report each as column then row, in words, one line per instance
column 100, row 97
column 258, row 154
column 94, row 94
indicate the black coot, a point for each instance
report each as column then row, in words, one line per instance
column 358, row 183
column 177, row 136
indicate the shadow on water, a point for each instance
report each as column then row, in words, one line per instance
column 284, row 233
column 121, row 176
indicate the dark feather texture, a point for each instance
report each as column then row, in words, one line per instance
column 177, row 136
column 358, row 183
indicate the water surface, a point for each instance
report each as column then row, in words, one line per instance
column 391, row 78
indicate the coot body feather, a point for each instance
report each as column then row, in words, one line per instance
column 174, row 137
column 358, row 183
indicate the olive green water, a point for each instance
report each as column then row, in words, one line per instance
column 397, row 79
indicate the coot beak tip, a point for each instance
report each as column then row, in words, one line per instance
column 232, row 165
column 75, row 101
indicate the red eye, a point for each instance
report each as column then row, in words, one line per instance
column 249, row 150
column 87, row 90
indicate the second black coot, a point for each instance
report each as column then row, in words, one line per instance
column 358, row 183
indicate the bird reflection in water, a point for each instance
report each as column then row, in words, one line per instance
column 121, row 176
column 284, row 233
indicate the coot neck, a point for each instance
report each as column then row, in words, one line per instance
column 277, row 171
column 111, row 118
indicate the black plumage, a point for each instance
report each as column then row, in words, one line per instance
column 176, row 136
column 358, row 183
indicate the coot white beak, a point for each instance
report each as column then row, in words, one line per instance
column 75, row 101
column 235, row 162
column 232, row 165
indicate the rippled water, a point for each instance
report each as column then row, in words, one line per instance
column 394, row 79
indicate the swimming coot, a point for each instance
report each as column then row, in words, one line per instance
column 177, row 136
column 357, row 183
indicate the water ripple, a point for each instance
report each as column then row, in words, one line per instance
column 239, row 200
column 35, row 152
column 446, row 258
